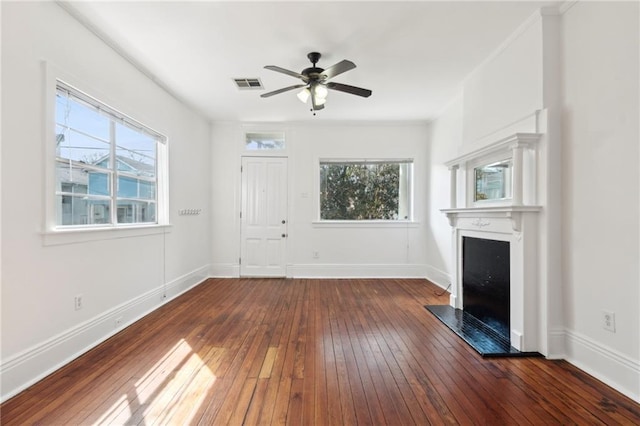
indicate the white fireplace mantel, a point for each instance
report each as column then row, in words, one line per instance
column 484, row 215
column 514, row 220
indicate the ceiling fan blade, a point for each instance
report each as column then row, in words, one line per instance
column 339, row 68
column 286, row 71
column 284, row 89
column 359, row 91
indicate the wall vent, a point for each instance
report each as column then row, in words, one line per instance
column 248, row 83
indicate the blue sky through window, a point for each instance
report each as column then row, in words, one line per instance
column 82, row 134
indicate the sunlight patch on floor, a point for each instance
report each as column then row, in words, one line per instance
column 172, row 390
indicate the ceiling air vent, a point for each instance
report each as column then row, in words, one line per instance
column 248, row 83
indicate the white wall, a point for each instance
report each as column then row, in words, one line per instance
column 226, row 144
column 507, row 88
column 361, row 250
column 582, row 69
column 601, row 219
column 118, row 275
column 445, row 144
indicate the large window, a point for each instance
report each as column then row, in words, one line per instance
column 365, row 190
column 106, row 164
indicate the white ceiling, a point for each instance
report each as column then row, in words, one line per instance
column 412, row 55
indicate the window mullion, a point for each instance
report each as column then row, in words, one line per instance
column 114, row 173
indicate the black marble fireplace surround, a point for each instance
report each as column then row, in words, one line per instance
column 485, row 282
column 484, row 320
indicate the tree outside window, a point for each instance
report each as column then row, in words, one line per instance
column 365, row 190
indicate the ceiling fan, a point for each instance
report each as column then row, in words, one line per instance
column 315, row 82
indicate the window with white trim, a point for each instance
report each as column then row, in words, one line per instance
column 106, row 164
column 366, row 190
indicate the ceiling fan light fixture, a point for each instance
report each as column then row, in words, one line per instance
column 315, row 84
column 320, row 91
column 303, row 95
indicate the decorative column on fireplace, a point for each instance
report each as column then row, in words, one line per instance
column 498, row 282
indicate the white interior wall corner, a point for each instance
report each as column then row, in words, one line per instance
column 41, row 335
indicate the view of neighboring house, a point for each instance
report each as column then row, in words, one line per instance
column 81, row 185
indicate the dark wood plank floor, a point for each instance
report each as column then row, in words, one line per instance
column 275, row 351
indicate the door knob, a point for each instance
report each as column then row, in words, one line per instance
column 284, row 235
column 284, row 221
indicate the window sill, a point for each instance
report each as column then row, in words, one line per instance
column 83, row 235
column 365, row 224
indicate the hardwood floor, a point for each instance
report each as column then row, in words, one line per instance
column 275, row 351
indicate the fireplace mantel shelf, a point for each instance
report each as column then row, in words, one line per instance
column 514, row 213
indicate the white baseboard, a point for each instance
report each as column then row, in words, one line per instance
column 556, row 348
column 225, row 270
column 438, row 277
column 356, row 271
column 32, row 365
column 186, row 282
column 605, row 364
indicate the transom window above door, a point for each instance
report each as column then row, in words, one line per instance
column 261, row 141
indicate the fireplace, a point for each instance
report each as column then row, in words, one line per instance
column 485, row 282
column 495, row 273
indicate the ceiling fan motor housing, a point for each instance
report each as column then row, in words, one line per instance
column 314, row 57
column 312, row 73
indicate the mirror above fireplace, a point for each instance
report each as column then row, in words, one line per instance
column 493, row 181
column 500, row 174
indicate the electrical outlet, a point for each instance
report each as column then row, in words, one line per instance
column 78, row 302
column 609, row 321
column 316, row 255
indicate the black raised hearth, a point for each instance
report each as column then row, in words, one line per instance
column 485, row 340
column 484, row 321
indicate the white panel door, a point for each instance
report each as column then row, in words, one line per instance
column 264, row 217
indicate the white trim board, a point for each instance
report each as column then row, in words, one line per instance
column 440, row 278
column 356, row 271
column 225, row 270
column 556, row 348
column 605, row 364
column 320, row 271
column 32, row 365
